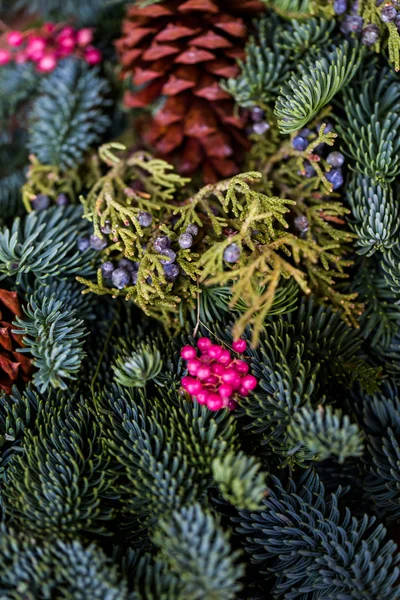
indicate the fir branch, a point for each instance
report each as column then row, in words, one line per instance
column 306, row 94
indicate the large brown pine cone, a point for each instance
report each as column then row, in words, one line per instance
column 14, row 366
column 181, row 49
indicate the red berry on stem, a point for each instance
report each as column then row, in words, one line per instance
column 215, row 351
column 15, row 38
column 206, row 358
column 225, row 357
column 84, row 36
column 225, row 390
column 92, row 56
column 249, row 382
column 194, row 387
column 47, row 63
column 243, row 391
column 186, row 381
column 231, row 378
column 212, row 380
column 241, row 367
column 202, row 396
column 203, row 372
column 217, row 369
column 193, row 366
column 203, row 343
column 215, row 402
column 239, row 346
column 188, row 352
column 5, row 57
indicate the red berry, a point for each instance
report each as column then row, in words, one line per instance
column 203, row 343
column 249, row 382
column 47, row 63
column 5, row 57
column 215, row 351
column 84, row 37
column 231, row 378
column 193, row 366
column 92, row 56
column 243, row 391
column 212, row 380
column 232, row 404
column 66, row 32
column 15, row 38
column 239, row 345
column 206, row 358
column 35, row 46
column 203, row 372
column 188, row 352
column 225, row 390
column 67, row 43
column 202, row 396
column 217, row 369
column 215, row 402
column 194, row 387
column 225, row 357
column 241, row 367
column 186, row 381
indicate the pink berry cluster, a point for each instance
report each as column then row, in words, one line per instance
column 47, row 45
column 216, row 378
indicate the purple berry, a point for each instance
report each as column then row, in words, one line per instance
column 232, row 253
column 171, row 272
column 335, row 177
column 351, row 24
column 340, row 6
column 107, row 269
column 388, row 13
column 305, row 132
column 308, row 171
column 97, row 243
column 185, row 240
column 260, row 128
column 299, row 143
column 134, row 276
column 335, row 159
column 257, row 114
column 192, row 229
column 169, row 257
column 83, row 244
column 62, row 199
column 120, row 278
column 145, row 219
column 301, row 223
column 328, row 128
column 128, row 265
column 397, row 22
column 161, row 243
column 41, row 202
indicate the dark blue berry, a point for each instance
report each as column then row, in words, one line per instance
column 62, row 199
column 134, row 276
column 83, row 244
column 169, row 257
column 299, row 143
column 335, row 177
column 319, row 149
column 351, row 24
column 397, row 21
column 301, row 223
column 388, row 13
column 161, row 243
column 41, row 202
column 185, row 240
column 97, row 243
column 257, row 114
column 335, row 159
column 308, row 171
column 328, row 128
column 107, row 269
column 171, row 272
column 120, row 278
column 261, row 128
column 127, row 264
column 192, row 229
column 145, row 219
column 305, row 132
column 232, row 253
column 340, row 6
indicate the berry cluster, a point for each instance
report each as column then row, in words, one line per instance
column 43, row 202
column 354, row 23
column 46, row 46
column 125, row 272
column 334, row 159
column 215, row 378
column 259, row 123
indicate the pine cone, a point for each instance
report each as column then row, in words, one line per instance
column 181, row 49
column 14, row 366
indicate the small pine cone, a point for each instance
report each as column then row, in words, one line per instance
column 14, row 366
column 180, row 49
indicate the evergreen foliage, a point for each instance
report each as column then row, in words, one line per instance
column 220, row 417
column 68, row 116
